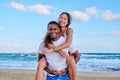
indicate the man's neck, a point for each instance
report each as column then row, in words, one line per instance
column 55, row 39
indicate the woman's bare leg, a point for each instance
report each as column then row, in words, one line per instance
column 71, row 67
column 40, row 69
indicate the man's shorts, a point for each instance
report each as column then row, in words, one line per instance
column 64, row 76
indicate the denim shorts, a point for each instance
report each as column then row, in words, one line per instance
column 64, row 76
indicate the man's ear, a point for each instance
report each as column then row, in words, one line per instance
column 59, row 30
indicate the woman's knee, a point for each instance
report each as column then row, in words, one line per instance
column 71, row 60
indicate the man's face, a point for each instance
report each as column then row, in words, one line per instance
column 53, row 31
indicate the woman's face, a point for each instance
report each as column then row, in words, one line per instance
column 63, row 20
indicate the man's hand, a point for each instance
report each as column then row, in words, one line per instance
column 57, row 73
column 53, row 72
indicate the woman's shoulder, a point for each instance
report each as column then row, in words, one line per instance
column 69, row 30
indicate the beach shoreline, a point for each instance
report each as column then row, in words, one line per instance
column 22, row 74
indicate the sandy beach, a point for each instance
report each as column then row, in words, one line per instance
column 12, row 74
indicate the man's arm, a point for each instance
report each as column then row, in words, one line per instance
column 76, row 56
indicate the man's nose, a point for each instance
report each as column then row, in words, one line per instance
column 52, row 31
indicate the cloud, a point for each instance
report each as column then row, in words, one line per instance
column 113, row 33
column 17, row 6
column 40, row 9
column 109, row 16
column 106, row 15
column 92, row 11
column 85, row 16
column 80, row 16
column 37, row 8
column 97, row 13
column 1, row 28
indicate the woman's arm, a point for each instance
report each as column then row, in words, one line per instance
column 68, row 41
column 63, row 54
column 50, row 49
column 62, row 46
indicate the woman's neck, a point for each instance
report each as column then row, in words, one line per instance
column 63, row 30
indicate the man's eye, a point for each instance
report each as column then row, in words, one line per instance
column 50, row 29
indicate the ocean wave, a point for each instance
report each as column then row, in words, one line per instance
column 88, row 62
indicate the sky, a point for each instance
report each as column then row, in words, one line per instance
column 95, row 24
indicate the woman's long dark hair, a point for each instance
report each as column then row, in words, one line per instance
column 47, row 38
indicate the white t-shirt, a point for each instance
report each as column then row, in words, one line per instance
column 54, row 59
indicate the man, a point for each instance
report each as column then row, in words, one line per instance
column 56, row 63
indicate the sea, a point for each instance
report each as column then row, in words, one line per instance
column 89, row 62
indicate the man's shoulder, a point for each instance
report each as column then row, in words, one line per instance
column 42, row 43
column 41, row 47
